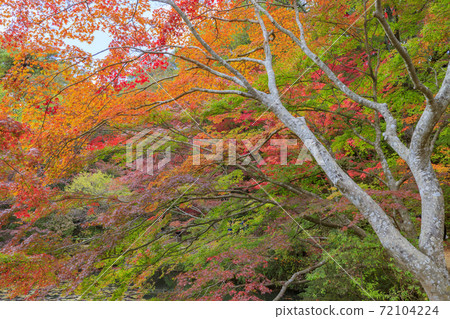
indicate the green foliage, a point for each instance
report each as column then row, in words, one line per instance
column 97, row 184
column 285, row 262
column 240, row 38
column 437, row 31
column 61, row 224
column 222, row 105
column 6, row 62
column 231, row 179
column 374, row 274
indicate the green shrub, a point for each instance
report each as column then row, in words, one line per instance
column 97, row 184
column 374, row 274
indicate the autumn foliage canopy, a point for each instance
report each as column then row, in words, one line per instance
column 78, row 217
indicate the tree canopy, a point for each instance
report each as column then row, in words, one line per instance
column 292, row 149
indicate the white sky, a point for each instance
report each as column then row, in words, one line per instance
column 101, row 42
column 102, row 39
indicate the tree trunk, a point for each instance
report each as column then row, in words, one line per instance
column 435, row 281
column 427, row 264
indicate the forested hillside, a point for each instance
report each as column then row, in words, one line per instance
column 225, row 150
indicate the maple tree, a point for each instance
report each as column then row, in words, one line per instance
column 370, row 108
